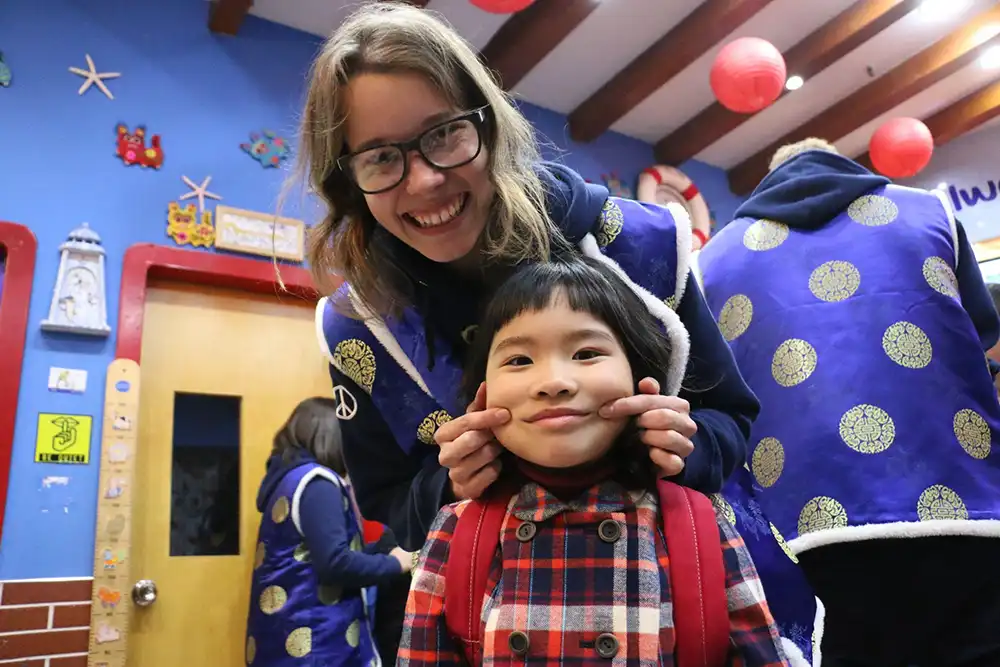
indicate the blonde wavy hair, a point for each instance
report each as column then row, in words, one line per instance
column 788, row 151
column 387, row 37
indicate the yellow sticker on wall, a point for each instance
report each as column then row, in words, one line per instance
column 63, row 438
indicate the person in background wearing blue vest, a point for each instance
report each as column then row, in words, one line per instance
column 310, row 597
column 858, row 315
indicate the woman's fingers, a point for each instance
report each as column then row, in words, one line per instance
column 475, row 485
column 665, row 419
column 667, row 463
column 482, row 455
column 482, row 420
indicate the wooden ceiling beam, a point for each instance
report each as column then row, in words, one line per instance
column 226, row 16
column 700, row 31
column 530, row 35
column 829, row 43
column 959, row 118
column 942, row 59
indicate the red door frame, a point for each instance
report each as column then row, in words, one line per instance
column 21, row 249
column 145, row 261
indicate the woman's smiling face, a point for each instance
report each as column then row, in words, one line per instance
column 440, row 213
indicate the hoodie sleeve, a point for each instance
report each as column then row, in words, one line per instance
column 391, row 487
column 722, row 405
column 325, row 534
column 976, row 297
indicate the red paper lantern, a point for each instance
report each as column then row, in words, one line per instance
column 502, row 6
column 901, row 147
column 748, row 75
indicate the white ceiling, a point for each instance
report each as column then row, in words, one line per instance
column 620, row 30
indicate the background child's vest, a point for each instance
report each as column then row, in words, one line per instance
column 697, row 574
column 292, row 617
column 877, row 406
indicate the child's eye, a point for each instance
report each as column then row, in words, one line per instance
column 519, row 360
column 585, row 355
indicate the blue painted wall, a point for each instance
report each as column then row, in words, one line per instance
column 203, row 94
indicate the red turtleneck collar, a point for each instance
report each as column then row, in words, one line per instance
column 568, row 483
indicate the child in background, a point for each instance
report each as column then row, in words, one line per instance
column 311, row 593
column 577, row 553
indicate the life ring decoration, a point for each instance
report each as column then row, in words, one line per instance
column 661, row 185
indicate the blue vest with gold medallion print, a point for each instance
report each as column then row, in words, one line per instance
column 644, row 241
column 293, row 619
column 878, row 412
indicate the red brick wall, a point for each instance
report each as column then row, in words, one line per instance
column 44, row 622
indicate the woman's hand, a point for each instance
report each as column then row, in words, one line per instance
column 468, row 449
column 405, row 559
column 664, row 421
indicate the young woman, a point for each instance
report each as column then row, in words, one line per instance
column 581, row 553
column 434, row 192
column 312, row 578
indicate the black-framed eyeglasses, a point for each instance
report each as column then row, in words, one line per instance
column 447, row 145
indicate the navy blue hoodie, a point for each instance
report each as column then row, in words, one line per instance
column 324, row 530
column 812, row 188
column 405, row 491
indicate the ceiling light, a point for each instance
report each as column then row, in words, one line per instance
column 942, row 186
column 940, row 9
column 990, row 58
column 794, row 83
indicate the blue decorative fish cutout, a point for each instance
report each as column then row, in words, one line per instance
column 267, row 148
column 5, row 73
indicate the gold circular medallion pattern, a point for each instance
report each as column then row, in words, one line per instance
column 301, row 553
column 821, row 513
column 430, row 424
column 259, row 554
column 765, row 235
column 834, row 281
column 735, row 316
column 671, row 302
column 779, row 538
column 794, row 361
column 355, row 359
column 299, row 642
column 939, row 502
column 940, row 276
column 973, row 433
column 353, row 634
column 867, row 429
column 768, row 461
column 251, row 649
column 356, row 543
column 907, row 345
column 873, row 210
column 280, row 509
column 612, row 221
column 723, row 507
column 329, row 593
column 272, row 599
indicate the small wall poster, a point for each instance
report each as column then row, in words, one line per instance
column 63, row 438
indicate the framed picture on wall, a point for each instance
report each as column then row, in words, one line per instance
column 253, row 233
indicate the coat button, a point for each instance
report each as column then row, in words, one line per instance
column 526, row 531
column 518, row 642
column 609, row 530
column 606, row 645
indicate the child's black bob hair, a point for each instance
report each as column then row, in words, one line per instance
column 312, row 428
column 588, row 286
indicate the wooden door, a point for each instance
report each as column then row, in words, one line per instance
column 203, row 344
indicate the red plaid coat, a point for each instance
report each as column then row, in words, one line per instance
column 565, row 586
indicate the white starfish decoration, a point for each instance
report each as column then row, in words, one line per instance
column 94, row 78
column 199, row 191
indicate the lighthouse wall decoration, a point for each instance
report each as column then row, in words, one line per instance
column 79, row 303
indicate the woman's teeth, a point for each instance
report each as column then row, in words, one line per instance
column 443, row 216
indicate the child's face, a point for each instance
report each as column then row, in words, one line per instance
column 553, row 370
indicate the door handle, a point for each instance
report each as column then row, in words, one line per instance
column 144, row 592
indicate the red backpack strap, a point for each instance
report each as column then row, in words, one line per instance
column 476, row 538
column 697, row 576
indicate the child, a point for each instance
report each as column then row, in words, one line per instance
column 309, row 594
column 567, row 560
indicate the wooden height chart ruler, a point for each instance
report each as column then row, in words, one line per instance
column 111, row 599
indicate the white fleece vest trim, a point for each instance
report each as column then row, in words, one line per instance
column 793, row 653
column 680, row 344
column 696, row 270
column 324, row 347
column 952, row 222
column 896, row 530
column 817, row 638
column 301, row 488
column 682, row 225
